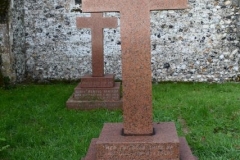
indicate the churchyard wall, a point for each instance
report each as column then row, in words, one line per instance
column 6, row 57
column 200, row 43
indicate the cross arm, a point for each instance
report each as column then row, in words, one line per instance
column 84, row 22
column 168, row 4
column 96, row 21
column 100, row 5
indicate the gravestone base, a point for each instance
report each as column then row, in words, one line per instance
column 96, row 92
column 88, row 105
column 164, row 145
column 106, row 81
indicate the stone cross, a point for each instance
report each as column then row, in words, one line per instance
column 97, row 22
column 136, row 57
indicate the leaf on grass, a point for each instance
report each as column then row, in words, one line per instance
column 4, row 148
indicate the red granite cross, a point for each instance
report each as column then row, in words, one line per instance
column 97, row 22
column 136, row 56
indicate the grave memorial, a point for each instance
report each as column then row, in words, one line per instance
column 137, row 137
column 97, row 90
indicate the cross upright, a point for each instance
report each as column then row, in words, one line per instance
column 97, row 23
column 136, row 56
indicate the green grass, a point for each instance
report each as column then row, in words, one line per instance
column 207, row 114
column 36, row 124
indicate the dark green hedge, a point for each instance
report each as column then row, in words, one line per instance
column 1, row 79
column 4, row 5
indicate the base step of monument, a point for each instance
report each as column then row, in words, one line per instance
column 102, row 94
column 88, row 105
column 164, row 145
column 185, row 151
column 88, row 81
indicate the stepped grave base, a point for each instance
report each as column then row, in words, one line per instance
column 85, row 98
column 164, row 145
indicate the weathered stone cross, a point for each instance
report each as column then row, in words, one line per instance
column 97, row 23
column 136, row 56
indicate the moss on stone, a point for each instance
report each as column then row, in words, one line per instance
column 1, row 79
column 1, row 75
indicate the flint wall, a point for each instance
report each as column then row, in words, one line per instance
column 200, row 43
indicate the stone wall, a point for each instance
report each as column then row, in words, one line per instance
column 237, row 2
column 17, row 40
column 6, row 57
column 200, row 43
column 2, row 51
column 5, row 63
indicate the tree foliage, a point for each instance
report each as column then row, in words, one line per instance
column 4, row 5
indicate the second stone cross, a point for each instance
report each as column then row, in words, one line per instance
column 97, row 90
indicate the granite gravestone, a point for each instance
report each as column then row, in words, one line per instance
column 138, row 137
column 97, row 90
column 97, row 22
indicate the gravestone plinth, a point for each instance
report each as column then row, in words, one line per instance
column 105, row 81
column 163, row 145
column 97, row 90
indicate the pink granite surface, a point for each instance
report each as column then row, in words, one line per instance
column 96, row 90
column 185, row 151
column 94, row 98
column 100, row 94
column 164, row 145
column 89, row 105
column 136, row 56
column 106, row 81
column 97, row 22
column 91, row 151
column 137, row 93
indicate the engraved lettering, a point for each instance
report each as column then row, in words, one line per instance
column 140, row 150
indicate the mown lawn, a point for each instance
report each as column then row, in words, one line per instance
column 36, row 124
